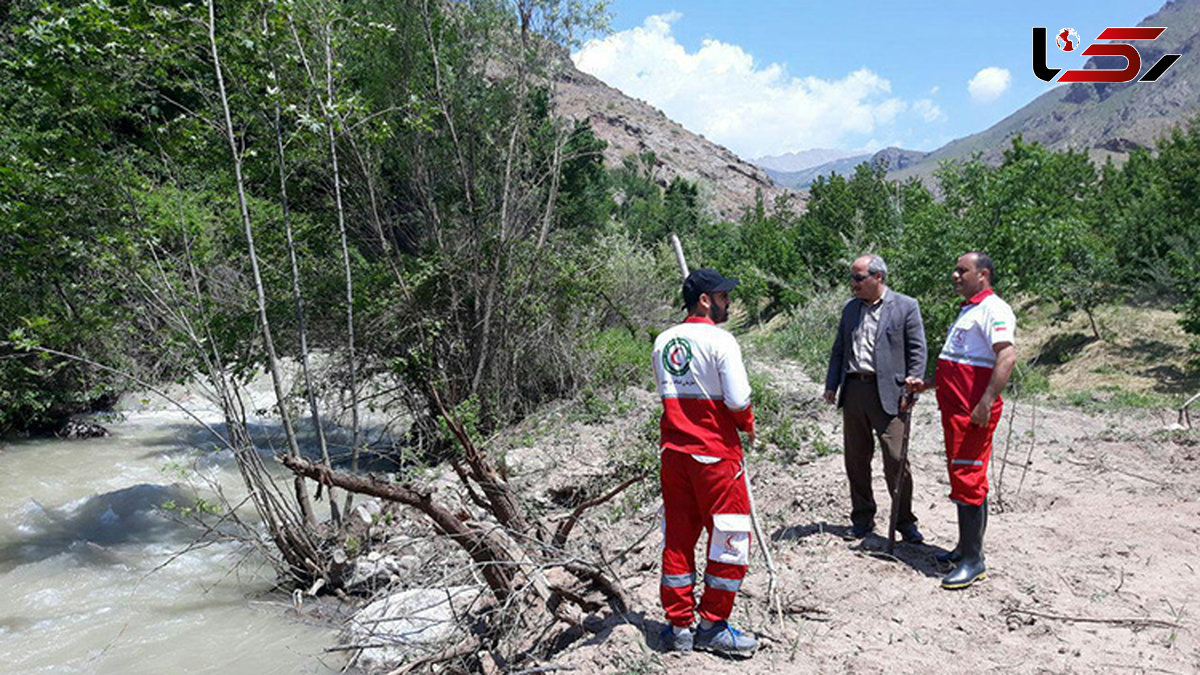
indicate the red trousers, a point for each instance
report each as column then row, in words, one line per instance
column 712, row 497
column 968, row 451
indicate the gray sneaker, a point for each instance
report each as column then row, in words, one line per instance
column 723, row 638
column 677, row 641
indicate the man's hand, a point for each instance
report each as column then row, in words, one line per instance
column 915, row 385
column 831, row 397
column 750, row 436
column 982, row 413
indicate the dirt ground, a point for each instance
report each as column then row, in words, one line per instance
column 1092, row 548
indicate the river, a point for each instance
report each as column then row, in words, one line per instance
column 83, row 584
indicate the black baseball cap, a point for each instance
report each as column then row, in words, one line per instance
column 704, row 280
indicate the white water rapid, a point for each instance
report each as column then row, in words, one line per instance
column 83, row 585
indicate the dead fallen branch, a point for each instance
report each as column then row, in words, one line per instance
column 479, row 544
column 564, row 529
column 1126, row 622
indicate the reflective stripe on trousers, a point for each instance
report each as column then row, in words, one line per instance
column 722, row 584
column 678, row 580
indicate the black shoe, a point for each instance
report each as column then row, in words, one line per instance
column 970, row 567
column 910, row 533
column 861, row 531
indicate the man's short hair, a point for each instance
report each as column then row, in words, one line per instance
column 983, row 261
column 876, row 265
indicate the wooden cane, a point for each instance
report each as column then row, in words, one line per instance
column 901, row 475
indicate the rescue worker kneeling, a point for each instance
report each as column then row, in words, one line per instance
column 706, row 400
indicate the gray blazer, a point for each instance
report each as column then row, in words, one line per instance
column 899, row 348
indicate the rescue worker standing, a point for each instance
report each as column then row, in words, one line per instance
column 706, row 399
column 973, row 368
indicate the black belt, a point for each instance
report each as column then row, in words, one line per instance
column 867, row 377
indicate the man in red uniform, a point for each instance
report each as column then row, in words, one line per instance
column 973, row 368
column 706, row 401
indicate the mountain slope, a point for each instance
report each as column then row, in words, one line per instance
column 1106, row 120
column 728, row 184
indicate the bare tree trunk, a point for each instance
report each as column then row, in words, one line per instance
column 332, row 121
column 273, row 362
column 315, row 413
column 351, row 357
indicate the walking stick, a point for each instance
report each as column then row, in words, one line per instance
column 773, row 574
column 772, row 584
column 901, row 475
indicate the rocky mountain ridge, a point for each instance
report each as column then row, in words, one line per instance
column 728, row 184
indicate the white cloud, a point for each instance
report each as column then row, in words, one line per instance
column 928, row 110
column 934, row 90
column 988, row 84
column 720, row 92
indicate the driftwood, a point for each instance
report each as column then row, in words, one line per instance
column 513, row 565
column 479, row 544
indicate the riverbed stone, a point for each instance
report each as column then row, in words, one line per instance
column 408, row 624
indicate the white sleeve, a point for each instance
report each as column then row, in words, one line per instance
column 734, row 381
column 1001, row 325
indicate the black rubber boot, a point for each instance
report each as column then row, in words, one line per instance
column 971, row 523
column 951, row 556
column 954, row 556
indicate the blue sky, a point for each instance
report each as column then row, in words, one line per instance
column 765, row 77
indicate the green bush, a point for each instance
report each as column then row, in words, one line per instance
column 810, row 330
column 1027, row 380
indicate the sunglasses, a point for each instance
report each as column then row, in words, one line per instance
column 859, row 278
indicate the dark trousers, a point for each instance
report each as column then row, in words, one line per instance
column 863, row 420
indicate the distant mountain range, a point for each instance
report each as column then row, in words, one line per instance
column 892, row 158
column 791, row 162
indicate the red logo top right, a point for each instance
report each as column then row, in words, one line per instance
column 1106, row 44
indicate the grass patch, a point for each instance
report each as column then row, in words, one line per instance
column 1112, row 397
column 1028, row 380
column 783, row 436
column 808, row 333
column 1143, row 350
column 619, row 359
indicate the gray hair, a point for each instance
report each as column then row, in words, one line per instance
column 876, row 265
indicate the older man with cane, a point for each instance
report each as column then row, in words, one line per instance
column 880, row 342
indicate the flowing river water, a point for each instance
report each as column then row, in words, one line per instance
column 83, row 584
